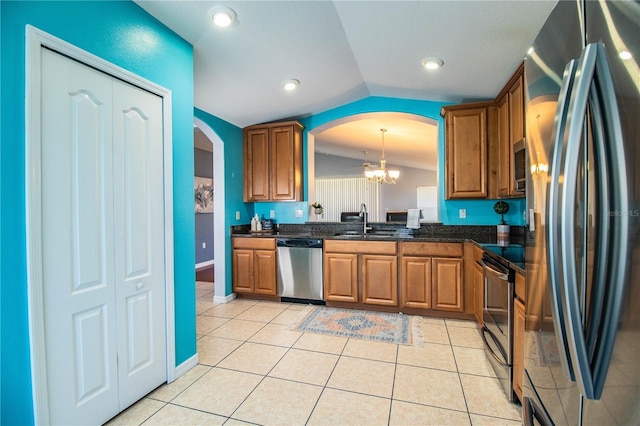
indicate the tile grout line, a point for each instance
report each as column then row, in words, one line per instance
column 327, row 381
column 265, row 375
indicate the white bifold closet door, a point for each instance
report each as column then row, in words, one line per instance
column 103, row 241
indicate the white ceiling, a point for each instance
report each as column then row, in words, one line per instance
column 343, row 51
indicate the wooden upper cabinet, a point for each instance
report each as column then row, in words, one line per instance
column 273, row 162
column 504, row 148
column 256, row 165
column 510, row 130
column 516, row 108
column 466, row 150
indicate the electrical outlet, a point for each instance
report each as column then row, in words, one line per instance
column 237, row 215
column 298, row 213
column 204, row 245
column 272, row 214
column 463, row 213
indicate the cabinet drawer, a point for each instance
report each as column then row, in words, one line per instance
column 369, row 247
column 254, row 243
column 477, row 253
column 431, row 249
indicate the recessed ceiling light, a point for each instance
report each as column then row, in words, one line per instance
column 290, row 84
column 625, row 55
column 222, row 16
column 432, row 63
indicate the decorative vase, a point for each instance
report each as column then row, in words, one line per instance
column 319, row 212
column 503, row 235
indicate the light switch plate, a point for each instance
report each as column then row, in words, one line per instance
column 237, row 215
column 463, row 213
column 298, row 213
column 272, row 214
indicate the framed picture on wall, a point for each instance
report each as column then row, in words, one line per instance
column 203, row 191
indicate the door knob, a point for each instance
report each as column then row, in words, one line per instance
column 138, row 286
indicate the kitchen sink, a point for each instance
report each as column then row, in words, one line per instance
column 366, row 236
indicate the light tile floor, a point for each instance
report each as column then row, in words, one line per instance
column 255, row 370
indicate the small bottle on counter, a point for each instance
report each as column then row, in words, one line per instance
column 258, row 224
column 254, row 224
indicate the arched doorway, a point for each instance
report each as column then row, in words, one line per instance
column 219, row 207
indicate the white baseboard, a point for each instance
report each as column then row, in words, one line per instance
column 224, row 299
column 186, row 366
column 205, row 264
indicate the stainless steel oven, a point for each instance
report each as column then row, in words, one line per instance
column 497, row 333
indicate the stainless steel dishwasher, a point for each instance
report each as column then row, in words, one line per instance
column 300, row 269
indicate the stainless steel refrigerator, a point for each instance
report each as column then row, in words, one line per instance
column 582, row 339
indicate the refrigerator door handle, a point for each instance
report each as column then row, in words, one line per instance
column 613, row 259
column 594, row 83
column 554, row 219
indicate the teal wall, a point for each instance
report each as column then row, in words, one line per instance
column 231, row 137
column 124, row 34
column 479, row 212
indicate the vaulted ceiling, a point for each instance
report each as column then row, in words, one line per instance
column 343, row 51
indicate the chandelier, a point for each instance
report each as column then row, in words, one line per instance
column 382, row 175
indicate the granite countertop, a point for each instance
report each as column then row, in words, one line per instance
column 352, row 237
column 479, row 235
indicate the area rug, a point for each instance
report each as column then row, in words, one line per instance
column 376, row 326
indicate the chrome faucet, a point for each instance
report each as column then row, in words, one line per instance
column 363, row 215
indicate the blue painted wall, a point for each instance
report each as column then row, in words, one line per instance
column 125, row 35
column 231, row 136
column 479, row 212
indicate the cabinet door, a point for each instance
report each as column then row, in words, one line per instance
column 379, row 276
column 256, row 165
column 341, row 277
column 282, row 157
column 478, row 292
column 516, row 111
column 466, row 153
column 243, row 271
column 518, row 347
column 447, row 284
column 505, row 150
column 416, row 282
column 265, row 272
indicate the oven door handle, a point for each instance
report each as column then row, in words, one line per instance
column 486, row 344
column 497, row 273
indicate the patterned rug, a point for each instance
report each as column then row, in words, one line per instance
column 377, row 326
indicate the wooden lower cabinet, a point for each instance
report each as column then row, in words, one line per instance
column 341, row 277
column 518, row 347
column 478, row 292
column 447, row 285
column 361, row 272
column 431, row 276
column 254, row 266
column 416, row 282
column 243, row 271
column 379, row 280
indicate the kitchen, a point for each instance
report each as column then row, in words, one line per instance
column 233, row 205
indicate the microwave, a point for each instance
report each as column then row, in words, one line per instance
column 519, row 166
